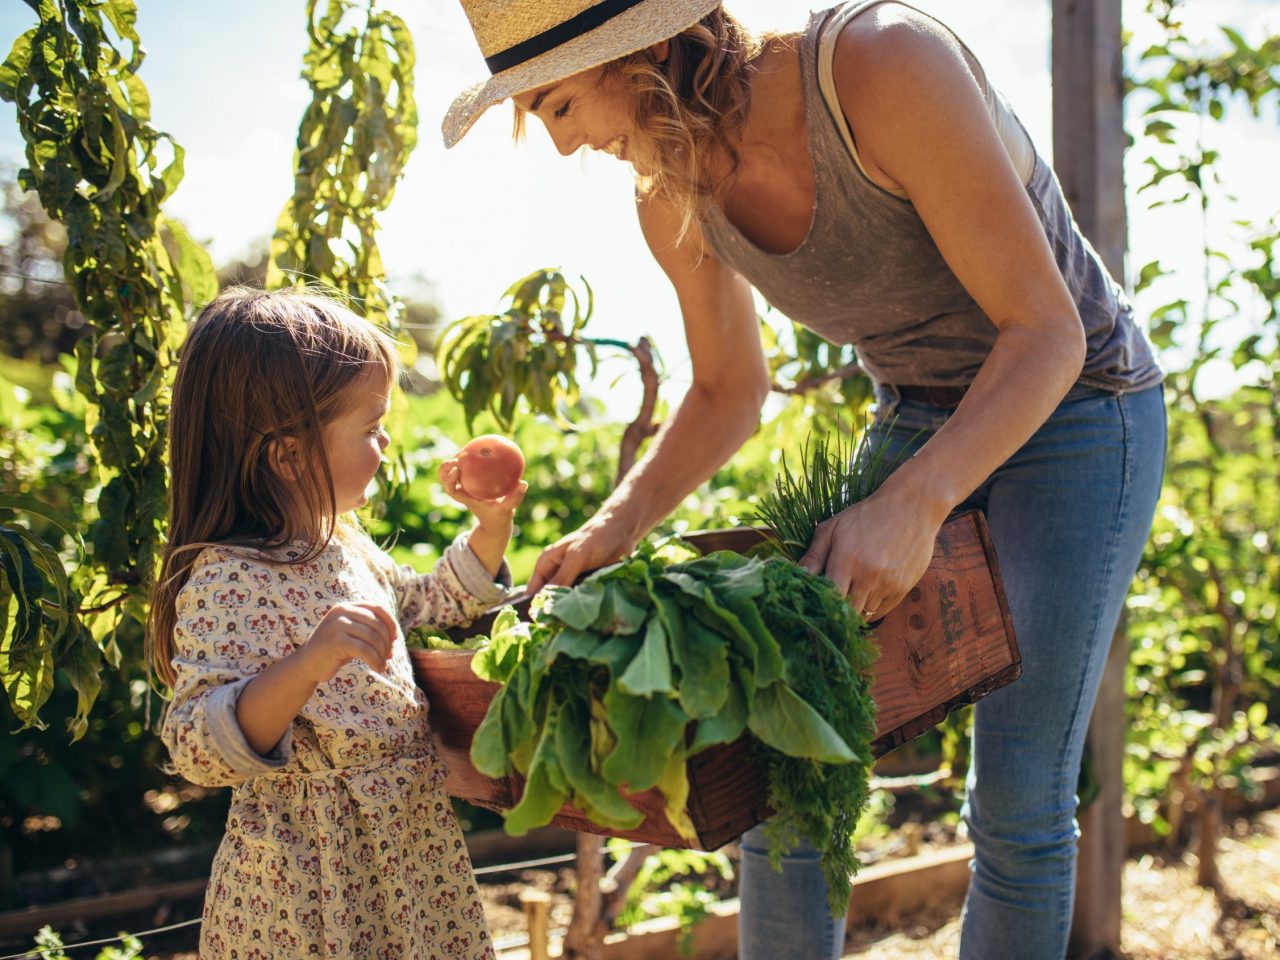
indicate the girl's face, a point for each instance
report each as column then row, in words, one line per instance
column 355, row 440
column 585, row 110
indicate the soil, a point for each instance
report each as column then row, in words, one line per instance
column 1166, row 916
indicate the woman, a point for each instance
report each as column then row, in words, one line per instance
column 865, row 178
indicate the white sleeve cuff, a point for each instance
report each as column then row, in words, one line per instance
column 473, row 576
column 228, row 739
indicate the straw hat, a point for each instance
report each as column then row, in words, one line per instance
column 531, row 43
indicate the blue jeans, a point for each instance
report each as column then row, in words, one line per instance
column 1069, row 515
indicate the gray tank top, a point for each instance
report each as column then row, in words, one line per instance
column 869, row 274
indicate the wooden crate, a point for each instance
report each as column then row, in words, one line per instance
column 950, row 642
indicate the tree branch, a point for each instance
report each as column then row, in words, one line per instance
column 642, row 427
column 617, row 882
column 819, row 379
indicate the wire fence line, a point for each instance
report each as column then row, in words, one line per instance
column 42, row 952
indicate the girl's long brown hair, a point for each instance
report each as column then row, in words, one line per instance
column 260, row 372
column 689, row 111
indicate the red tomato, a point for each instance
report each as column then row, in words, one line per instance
column 490, row 467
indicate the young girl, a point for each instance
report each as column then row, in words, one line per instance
column 279, row 626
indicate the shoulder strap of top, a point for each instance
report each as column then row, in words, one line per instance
column 1012, row 134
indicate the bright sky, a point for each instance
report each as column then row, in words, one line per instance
column 472, row 219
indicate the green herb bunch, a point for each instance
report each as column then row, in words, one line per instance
column 836, row 474
column 827, row 656
column 619, row 681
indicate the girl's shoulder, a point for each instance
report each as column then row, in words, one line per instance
column 249, row 564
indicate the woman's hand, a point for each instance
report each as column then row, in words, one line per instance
column 874, row 552
column 349, row 631
column 489, row 539
column 596, row 543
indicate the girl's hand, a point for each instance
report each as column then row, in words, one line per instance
column 349, row 631
column 490, row 513
column 874, row 552
column 492, row 532
column 594, row 544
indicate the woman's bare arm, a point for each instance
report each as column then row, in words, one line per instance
column 718, row 414
column 920, row 123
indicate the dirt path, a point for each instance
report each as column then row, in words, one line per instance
column 1166, row 916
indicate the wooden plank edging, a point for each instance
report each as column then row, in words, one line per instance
column 880, row 893
column 17, row 923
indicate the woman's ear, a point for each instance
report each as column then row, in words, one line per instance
column 283, row 457
column 660, row 51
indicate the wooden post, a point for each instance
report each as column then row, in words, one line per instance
column 1089, row 140
column 537, row 916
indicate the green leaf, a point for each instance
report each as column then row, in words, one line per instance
column 572, row 643
column 15, row 65
column 544, row 790
column 726, row 726
column 497, row 660
column 650, row 670
column 702, row 657
column 195, row 266
column 788, row 724
column 616, row 653
column 22, row 503
column 24, row 584
column 619, row 613
column 576, row 607
column 647, row 730
column 123, row 15
column 488, row 745
column 746, row 618
column 82, row 664
column 600, row 801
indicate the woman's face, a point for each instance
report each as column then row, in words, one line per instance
column 586, row 110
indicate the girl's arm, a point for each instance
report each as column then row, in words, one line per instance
column 472, row 575
column 241, row 676
column 921, row 124
column 349, row 631
column 718, row 414
column 490, row 536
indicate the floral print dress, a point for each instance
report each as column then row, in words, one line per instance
column 341, row 841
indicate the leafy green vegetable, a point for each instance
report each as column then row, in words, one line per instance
column 788, row 724
column 425, row 639
column 500, row 653
column 650, row 669
column 828, row 656
column 618, row 681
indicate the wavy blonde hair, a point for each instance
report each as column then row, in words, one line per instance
column 689, row 111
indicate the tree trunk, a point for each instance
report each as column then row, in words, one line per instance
column 1210, row 823
column 585, row 939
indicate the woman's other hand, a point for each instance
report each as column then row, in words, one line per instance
column 874, row 551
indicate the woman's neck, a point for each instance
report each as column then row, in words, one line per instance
column 775, row 115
